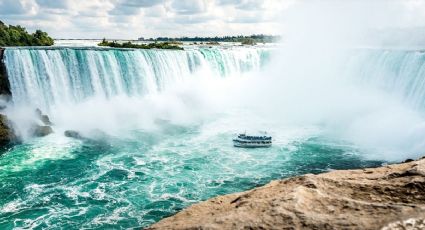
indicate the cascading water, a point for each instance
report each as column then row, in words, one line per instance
column 399, row 72
column 45, row 77
column 162, row 139
column 137, row 176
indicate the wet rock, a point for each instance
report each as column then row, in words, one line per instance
column 7, row 134
column 41, row 130
column 73, row 134
column 408, row 160
column 4, row 80
column 43, row 117
column 43, row 126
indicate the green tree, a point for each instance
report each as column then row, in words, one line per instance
column 18, row 36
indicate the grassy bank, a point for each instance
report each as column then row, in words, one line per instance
column 156, row 45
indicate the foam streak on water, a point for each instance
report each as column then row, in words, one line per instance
column 133, row 182
column 161, row 139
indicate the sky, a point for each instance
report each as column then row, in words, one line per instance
column 130, row 19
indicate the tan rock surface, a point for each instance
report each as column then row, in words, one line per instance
column 392, row 196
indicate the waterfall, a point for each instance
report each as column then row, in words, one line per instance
column 47, row 76
column 398, row 72
column 44, row 77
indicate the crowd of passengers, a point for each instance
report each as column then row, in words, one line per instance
column 243, row 136
column 254, row 142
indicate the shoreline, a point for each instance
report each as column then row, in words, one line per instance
column 388, row 197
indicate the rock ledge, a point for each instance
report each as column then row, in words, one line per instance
column 389, row 197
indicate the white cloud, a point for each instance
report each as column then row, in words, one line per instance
column 147, row 18
column 17, row 7
column 190, row 7
column 152, row 18
column 53, row 3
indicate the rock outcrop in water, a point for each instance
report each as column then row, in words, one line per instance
column 7, row 135
column 43, row 117
column 42, row 130
column 389, row 197
column 73, row 134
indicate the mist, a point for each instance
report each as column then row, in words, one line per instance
column 152, row 131
column 307, row 82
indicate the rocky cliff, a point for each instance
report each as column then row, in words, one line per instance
column 389, row 197
column 4, row 80
column 7, row 135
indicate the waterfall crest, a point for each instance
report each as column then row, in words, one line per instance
column 47, row 76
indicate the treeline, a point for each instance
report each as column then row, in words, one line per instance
column 156, row 45
column 18, row 36
column 256, row 38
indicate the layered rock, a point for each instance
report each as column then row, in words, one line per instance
column 390, row 197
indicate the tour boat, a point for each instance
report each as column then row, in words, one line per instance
column 246, row 141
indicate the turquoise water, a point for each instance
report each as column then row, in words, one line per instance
column 57, row 76
column 159, row 126
column 113, row 182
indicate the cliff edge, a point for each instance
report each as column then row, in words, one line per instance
column 389, row 197
column 4, row 80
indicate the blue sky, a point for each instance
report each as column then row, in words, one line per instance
column 148, row 18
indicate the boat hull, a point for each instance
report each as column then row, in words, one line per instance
column 251, row 145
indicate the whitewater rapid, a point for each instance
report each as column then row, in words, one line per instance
column 163, row 122
column 370, row 97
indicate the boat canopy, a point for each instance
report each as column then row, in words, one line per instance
column 246, row 137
